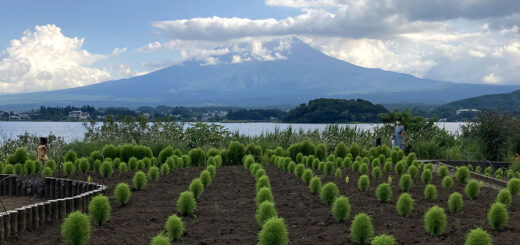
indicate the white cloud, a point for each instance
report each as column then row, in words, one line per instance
column 491, row 78
column 118, row 51
column 45, row 59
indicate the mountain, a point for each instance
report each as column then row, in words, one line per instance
column 301, row 74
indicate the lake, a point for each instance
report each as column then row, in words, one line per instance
column 74, row 130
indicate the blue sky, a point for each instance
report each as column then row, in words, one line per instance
column 75, row 43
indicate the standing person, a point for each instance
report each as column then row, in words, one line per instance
column 41, row 151
column 398, row 135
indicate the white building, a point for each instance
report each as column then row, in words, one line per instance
column 78, row 115
column 467, row 110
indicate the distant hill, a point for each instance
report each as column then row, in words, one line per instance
column 300, row 74
column 335, row 111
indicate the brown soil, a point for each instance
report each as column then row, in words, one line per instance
column 12, row 202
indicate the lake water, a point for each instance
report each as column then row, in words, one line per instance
column 74, row 130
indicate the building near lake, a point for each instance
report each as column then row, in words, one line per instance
column 78, row 115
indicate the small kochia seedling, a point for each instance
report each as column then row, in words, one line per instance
column 273, row 232
column 76, row 229
column 347, row 179
column 497, row 216
column 99, row 210
column 186, row 203
column 404, row 204
column 341, row 209
column 315, row 184
column 435, row 221
column 174, row 227
column 122, row 193
column 478, row 236
column 383, row 240
column 264, row 212
column 264, row 194
column 328, row 193
column 361, row 230
column 389, row 181
column 455, row 202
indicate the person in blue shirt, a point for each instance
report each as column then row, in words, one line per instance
column 398, row 135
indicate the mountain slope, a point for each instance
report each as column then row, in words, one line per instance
column 508, row 102
column 304, row 74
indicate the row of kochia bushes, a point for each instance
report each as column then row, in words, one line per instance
column 186, row 205
column 407, row 168
column 273, row 229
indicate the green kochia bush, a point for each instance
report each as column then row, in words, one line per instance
column 376, row 173
column 338, row 173
column 383, row 240
column 363, row 169
column 122, row 193
column 478, row 236
column 504, row 196
column 426, row 176
column 412, row 171
column 76, row 229
column 139, row 180
column 384, row 192
column 387, row 167
column 447, row 182
column 29, row 167
column 83, row 165
column 404, row 204
column 497, row 216
column 405, row 182
column 99, row 210
column 132, row 163
column 307, row 176
column 264, row 194
column 106, row 170
column 399, row 168
column 273, row 232
column 262, row 182
column 160, row 239
column 472, row 189
column 264, row 212
column 361, row 230
column 341, row 209
column 165, row 169
column 435, row 221
column 430, row 192
column 363, row 183
column 443, row 171
column 198, row 157
column 174, row 227
column 315, row 184
column 298, row 171
column 462, row 174
column 123, row 167
column 186, row 203
column 47, row 172
column 196, row 187
column 514, row 186
column 455, row 202
column 205, row 177
column 328, row 193
column 68, row 168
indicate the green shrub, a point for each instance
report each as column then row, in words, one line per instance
column 363, row 183
column 376, row 173
column 165, row 154
column 51, row 164
column 488, row 171
column 8, row 169
column 504, row 196
column 264, row 194
column 70, row 156
column 298, row 171
column 307, row 176
column 68, row 168
column 83, row 165
column 400, row 168
column 185, row 160
column 328, row 193
column 478, row 236
column 99, row 210
column 376, row 163
column 160, row 239
column 140, row 165
column 110, row 151
column 412, row 171
column 46, row 172
column 404, row 205
column 75, row 230
column 455, row 202
column 273, row 232
column 383, row 240
column 435, row 221
column 356, row 165
column 462, row 174
column 122, row 193
column 299, row 157
column 97, row 165
column 363, row 169
column 514, row 186
column 315, row 185
column 139, row 180
column 426, row 176
column 153, row 173
column 106, row 170
column 447, row 182
column 235, row 153
column 165, row 169
column 341, row 209
column 262, row 182
column 443, row 171
column 429, row 166
column 341, row 150
column 174, row 227
column 29, row 167
column 315, row 163
column 472, row 189
column 430, row 192
column 361, row 230
column 264, row 212
column 198, row 157
column 132, row 163
column 291, row 166
column 384, row 192
column 18, row 169
column 497, row 216
column 196, row 187
column 115, row 163
column 122, row 167
column 405, row 182
column 347, row 162
column 186, row 203
column 205, row 177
